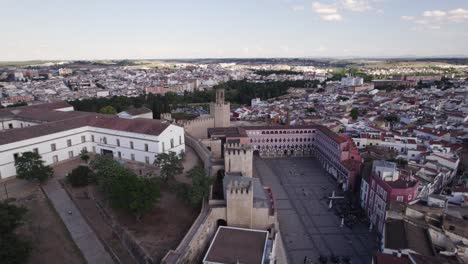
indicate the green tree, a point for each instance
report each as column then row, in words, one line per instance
column 133, row 194
column 84, row 156
column 105, row 169
column 354, row 113
column 170, row 165
column 391, row 118
column 124, row 189
column 200, row 188
column 108, row 110
column 13, row 249
column 80, row 176
column 11, row 217
column 30, row 166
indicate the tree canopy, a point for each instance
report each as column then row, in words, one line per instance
column 237, row 92
column 13, row 249
column 198, row 190
column 200, row 185
column 170, row 165
column 277, row 72
column 123, row 188
column 30, row 166
column 108, row 110
column 84, row 156
column 354, row 113
column 80, row 176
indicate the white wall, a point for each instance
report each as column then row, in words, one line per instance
column 15, row 123
column 43, row 144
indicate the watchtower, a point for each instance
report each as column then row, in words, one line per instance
column 238, row 158
column 239, row 203
column 220, row 110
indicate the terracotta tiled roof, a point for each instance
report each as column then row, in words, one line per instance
column 55, row 121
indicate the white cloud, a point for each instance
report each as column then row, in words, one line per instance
column 434, row 13
column 356, row 5
column 407, row 18
column 332, row 11
column 297, row 8
column 321, row 49
column 332, row 17
column 421, row 22
column 324, row 8
column 458, row 15
column 326, row 12
column 435, row 19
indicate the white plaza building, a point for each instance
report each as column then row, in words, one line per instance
column 58, row 133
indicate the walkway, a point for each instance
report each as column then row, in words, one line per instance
column 80, row 231
column 300, row 187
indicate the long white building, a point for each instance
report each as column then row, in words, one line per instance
column 58, row 133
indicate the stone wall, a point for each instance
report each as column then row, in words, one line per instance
column 126, row 239
column 261, row 218
column 203, row 237
column 198, row 128
column 278, row 249
column 239, row 199
column 238, row 158
column 214, row 145
column 202, row 152
column 204, row 228
column 221, row 114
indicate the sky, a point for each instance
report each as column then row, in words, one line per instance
column 154, row 29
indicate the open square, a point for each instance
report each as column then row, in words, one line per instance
column 309, row 229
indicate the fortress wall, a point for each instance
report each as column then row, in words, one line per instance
column 202, row 238
column 198, row 128
column 238, row 158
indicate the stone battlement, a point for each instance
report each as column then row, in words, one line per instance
column 202, row 120
column 165, row 116
column 237, row 149
column 239, row 188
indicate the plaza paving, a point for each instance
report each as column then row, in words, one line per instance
column 300, row 187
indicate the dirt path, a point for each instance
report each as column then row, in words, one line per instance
column 52, row 243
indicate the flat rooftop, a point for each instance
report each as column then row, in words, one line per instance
column 237, row 245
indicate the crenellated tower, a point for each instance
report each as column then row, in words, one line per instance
column 239, row 204
column 220, row 110
column 238, row 158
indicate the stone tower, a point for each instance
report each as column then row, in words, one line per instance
column 239, row 204
column 220, row 110
column 238, row 158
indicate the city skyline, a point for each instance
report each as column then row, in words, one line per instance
column 52, row 30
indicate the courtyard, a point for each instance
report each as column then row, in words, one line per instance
column 309, row 228
column 157, row 232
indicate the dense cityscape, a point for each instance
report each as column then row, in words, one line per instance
column 260, row 151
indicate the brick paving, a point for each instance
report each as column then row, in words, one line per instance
column 300, row 187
